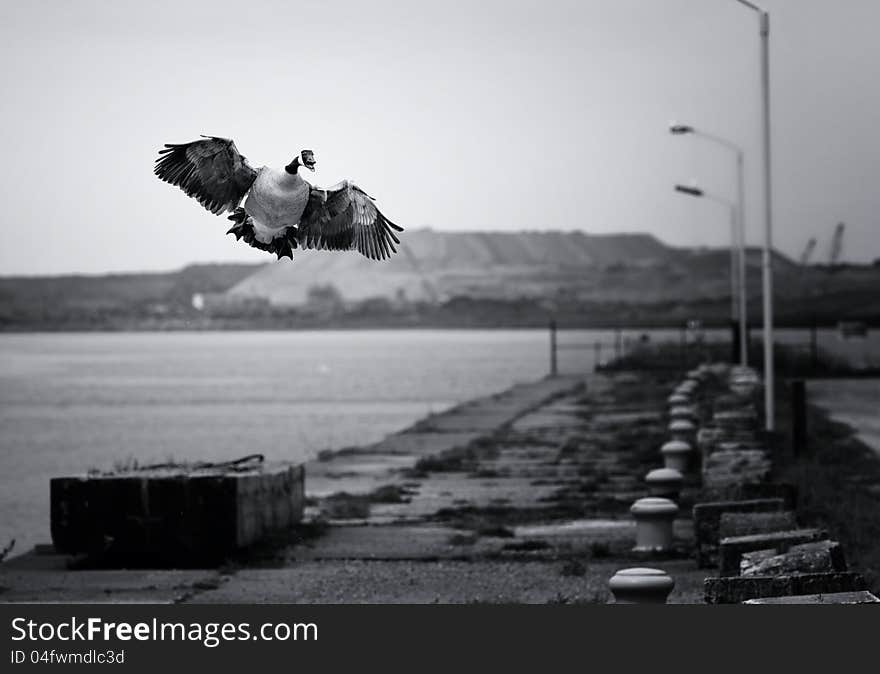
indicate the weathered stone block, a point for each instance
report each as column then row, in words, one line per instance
column 818, row 557
column 743, row 524
column 707, row 521
column 735, row 467
column 731, row 549
column 731, row 401
column 180, row 516
column 711, row 439
column 747, row 492
column 737, row 590
column 745, row 419
column 863, row 597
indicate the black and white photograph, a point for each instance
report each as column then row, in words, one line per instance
column 556, row 302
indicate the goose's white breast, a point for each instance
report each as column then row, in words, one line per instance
column 276, row 200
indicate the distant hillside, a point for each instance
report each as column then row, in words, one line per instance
column 81, row 299
column 436, row 266
column 449, row 279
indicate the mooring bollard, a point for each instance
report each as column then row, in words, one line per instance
column 653, row 516
column 695, row 374
column 665, row 482
column 679, row 399
column 683, row 412
column 682, row 429
column 744, row 381
column 640, row 586
column 687, row 387
column 677, row 455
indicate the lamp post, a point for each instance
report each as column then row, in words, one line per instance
column 735, row 254
column 740, row 314
column 766, row 260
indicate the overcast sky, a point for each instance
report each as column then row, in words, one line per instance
column 501, row 115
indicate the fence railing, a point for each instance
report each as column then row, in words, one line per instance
column 617, row 343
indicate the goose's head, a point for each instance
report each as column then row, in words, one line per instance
column 305, row 158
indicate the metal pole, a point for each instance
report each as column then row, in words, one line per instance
column 741, row 246
column 734, row 266
column 734, row 285
column 553, row 368
column 767, row 262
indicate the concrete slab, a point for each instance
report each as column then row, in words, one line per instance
column 731, row 549
column 737, row 590
column 818, row 557
column 863, row 597
column 707, row 522
column 744, row 524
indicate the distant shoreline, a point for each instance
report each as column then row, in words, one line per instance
column 210, row 325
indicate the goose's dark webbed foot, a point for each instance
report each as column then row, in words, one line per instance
column 243, row 228
column 285, row 244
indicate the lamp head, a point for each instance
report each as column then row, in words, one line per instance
column 692, row 191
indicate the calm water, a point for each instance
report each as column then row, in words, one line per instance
column 855, row 402
column 70, row 402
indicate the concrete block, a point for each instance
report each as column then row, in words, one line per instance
column 748, row 492
column 744, row 419
column 819, row 557
column 863, row 597
column 731, row 549
column 743, row 524
column 180, row 516
column 737, row 590
column 707, row 522
column 736, row 467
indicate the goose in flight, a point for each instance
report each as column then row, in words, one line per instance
column 281, row 210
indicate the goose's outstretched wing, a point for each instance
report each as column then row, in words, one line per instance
column 345, row 218
column 210, row 171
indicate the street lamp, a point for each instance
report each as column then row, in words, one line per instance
column 738, row 316
column 766, row 260
column 734, row 238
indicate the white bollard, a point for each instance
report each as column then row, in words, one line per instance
column 654, row 517
column 665, row 482
column 640, row 586
column 679, row 399
column 677, row 455
column 682, row 429
column 683, row 412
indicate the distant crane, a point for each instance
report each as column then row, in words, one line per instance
column 808, row 251
column 836, row 246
